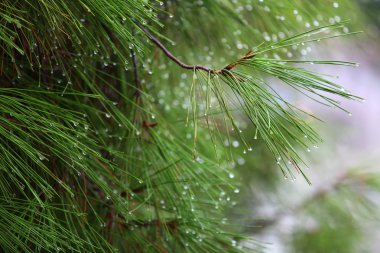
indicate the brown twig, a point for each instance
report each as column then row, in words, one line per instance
column 171, row 56
column 225, row 71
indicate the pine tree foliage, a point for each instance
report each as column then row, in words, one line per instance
column 111, row 141
column 358, row 189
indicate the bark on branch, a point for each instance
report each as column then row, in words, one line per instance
column 158, row 43
column 225, row 71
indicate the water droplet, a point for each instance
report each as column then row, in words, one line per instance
column 241, row 161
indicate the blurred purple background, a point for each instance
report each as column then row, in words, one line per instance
column 350, row 142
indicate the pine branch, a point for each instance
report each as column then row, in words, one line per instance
column 158, row 43
column 80, row 173
column 224, row 71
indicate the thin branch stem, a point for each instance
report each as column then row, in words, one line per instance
column 224, row 71
column 171, row 56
